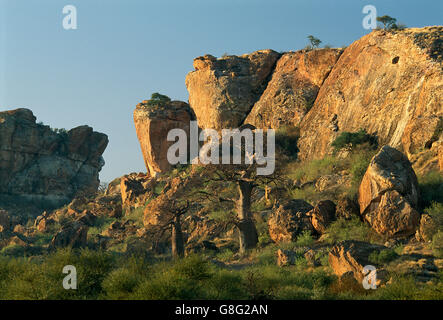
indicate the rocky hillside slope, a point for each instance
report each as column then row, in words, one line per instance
column 47, row 167
column 389, row 83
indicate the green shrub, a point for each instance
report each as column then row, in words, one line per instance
column 305, row 239
column 383, row 256
column 353, row 229
column 437, row 244
column 158, row 99
column 352, row 139
column 286, row 138
column 431, row 188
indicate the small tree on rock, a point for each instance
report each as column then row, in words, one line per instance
column 315, row 42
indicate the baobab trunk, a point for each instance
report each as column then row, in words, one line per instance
column 178, row 248
column 247, row 231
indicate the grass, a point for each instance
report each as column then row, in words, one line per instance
column 353, row 229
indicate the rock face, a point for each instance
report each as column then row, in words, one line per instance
column 389, row 83
column 293, row 88
column 290, row 220
column 352, row 256
column 152, row 124
column 135, row 189
column 322, row 215
column 46, row 167
column 72, row 235
column 388, row 194
column 223, row 91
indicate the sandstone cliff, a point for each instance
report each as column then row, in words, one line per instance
column 293, row 88
column 152, row 124
column 223, row 91
column 389, row 83
column 46, row 167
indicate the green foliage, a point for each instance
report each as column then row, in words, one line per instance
column 158, row 99
column 286, row 138
column 431, row 188
column 315, row 42
column 437, row 244
column 350, row 230
column 305, row 239
column 352, row 139
column 388, row 22
column 383, row 256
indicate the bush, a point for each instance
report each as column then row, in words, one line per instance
column 286, row 138
column 158, row 99
column 383, row 256
column 431, row 188
column 353, row 229
column 352, row 139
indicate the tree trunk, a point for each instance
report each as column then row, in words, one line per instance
column 247, row 231
column 178, row 248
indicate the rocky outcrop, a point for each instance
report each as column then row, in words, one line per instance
column 290, row 220
column 322, row 215
column 388, row 194
column 72, row 235
column 152, row 123
column 293, row 88
column 223, row 91
column 46, row 167
column 352, row 256
column 136, row 189
column 389, row 83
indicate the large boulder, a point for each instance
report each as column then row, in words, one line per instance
column 223, row 91
column 352, row 256
column 45, row 166
column 136, row 188
column 322, row 215
column 388, row 194
column 389, row 83
column 152, row 124
column 74, row 235
column 289, row 220
column 293, row 88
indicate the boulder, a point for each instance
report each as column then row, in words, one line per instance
column 293, row 88
column 152, row 124
column 322, row 215
column 289, row 220
column 72, row 235
column 223, row 91
column 388, row 83
column 388, row 194
column 347, row 209
column 46, row 167
column 427, row 228
column 285, row 257
column 352, row 256
column 136, row 189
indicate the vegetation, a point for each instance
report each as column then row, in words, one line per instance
column 158, row 99
column 314, row 42
column 353, row 139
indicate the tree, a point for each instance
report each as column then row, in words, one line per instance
column 388, row 22
column 158, row 99
column 245, row 178
column 315, row 42
column 167, row 211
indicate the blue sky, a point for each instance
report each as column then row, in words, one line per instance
column 124, row 50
